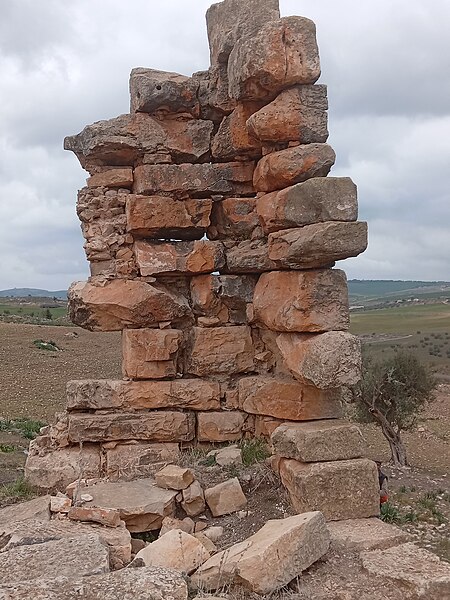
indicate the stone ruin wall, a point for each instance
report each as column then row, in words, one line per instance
column 212, row 229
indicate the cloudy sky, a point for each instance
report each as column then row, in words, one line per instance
column 66, row 64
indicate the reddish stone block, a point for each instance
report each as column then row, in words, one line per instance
column 158, row 258
column 223, row 426
column 114, row 178
column 233, row 138
column 150, row 353
column 233, row 218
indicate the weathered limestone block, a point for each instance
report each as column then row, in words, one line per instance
column 56, row 469
column 159, row 258
column 104, row 516
column 288, row 400
column 317, row 245
column 230, row 179
column 233, row 218
column 114, row 305
column 250, row 256
column 154, row 426
column 279, row 170
column 311, row 301
column 37, row 509
column 326, row 360
column 193, row 502
column 233, row 139
column 231, row 20
column 269, row 559
column 118, row 177
column 297, row 114
column 176, row 550
column 128, row 139
column 150, row 353
column 100, row 394
column 162, row 217
column 342, row 489
column 315, row 200
column 141, row 504
column 318, row 441
column 213, row 96
column 220, row 350
column 365, row 534
column 163, row 92
column 222, row 426
column 137, row 460
column 173, row 477
column 281, row 54
column 225, row 498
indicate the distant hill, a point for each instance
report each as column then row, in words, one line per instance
column 24, row 292
column 368, row 291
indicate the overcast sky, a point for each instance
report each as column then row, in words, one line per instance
column 65, row 64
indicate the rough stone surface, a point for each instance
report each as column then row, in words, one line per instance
column 284, row 168
column 170, row 523
column 159, row 258
column 104, row 516
column 225, row 498
column 342, row 489
column 60, row 504
column 136, row 460
column 281, row 54
column 37, row 510
column 250, row 256
column 220, row 426
column 233, row 218
column 318, row 441
column 365, row 534
column 271, row 558
column 173, row 477
column 114, row 305
column 230, row 455
column 287, row 399
column 113, row 178
column 233, row 140
column 176, row 550
column 150, row 353
column 314, row 201
column 317, row 245
column 326, row 360
column 193, row 502
column 300, row 301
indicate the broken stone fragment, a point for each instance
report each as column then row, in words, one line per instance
column 302, row 301
column 225, row 498
column 60, row 504
column 284, row 168
column 173, row 477
column 250, row 256
column 37, row 509
column 297, row 114
column 269, row 559
column 150, row 353
column 137, row 460
column 233, row 139
column 317, row 245
column 325, row 360
column 233, row 218
column 214, row 533
column 281, row 54
column 315, row 200
column 225, row 457
column 213, row 96
column 220, row 426
column 170, row 523
column 365, row 534
column 193, row 502
column 318, row 441
column 104, row 516
column 211, row 548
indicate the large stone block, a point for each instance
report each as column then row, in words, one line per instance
column 326, row 360
column 104, row 394
column 137, row 460
column 233, row 140
column 159, row 258
column 225, row 498
column 281, row 54
column 317, row 245
column 365, row 534
column 116, row 304
column 315, row 200
column 200, row 181
column 284, row 168
column 302, row 301
column 318, row 441
column 231, row 20
column 155, row 426
column 233, row 218
column 150, row 353
column 34, row 510
column 225, row 426
column 162, row 217
column 285, row 399
column 119, row 177
column 249, row 256
column 297, row 114
column 163, row 92
column 342, row 489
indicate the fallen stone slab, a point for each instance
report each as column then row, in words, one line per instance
column 269, row 559
column 173, row 477
column 67, row 557
column 193, row 502
column 225, row 498
column 416, row 569
column 140, row 503
column 104, row 516
column 147, row 583
column 37, row 509
column 365, row 534
column 176, row 550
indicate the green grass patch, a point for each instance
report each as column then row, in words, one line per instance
column 28, row 428
column 390, row 513
column 254, row 451
column 7, row 448
column 402, row 320
column 17, row 490
column 42, row 345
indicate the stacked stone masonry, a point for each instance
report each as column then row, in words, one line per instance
column 212, row 229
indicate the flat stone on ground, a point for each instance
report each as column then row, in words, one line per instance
column 37, row 509
column 225, row 498
column 365, row 534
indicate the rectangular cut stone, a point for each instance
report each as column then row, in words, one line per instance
column 223, row 426
column 233, row 139
column 101, row 394
column 137, row 460
column 342, row 489
column 317, row 245
column 159, row 258
column 249, row 256
column 220, row 350
column 233, row 218
column 155, row 426
column 115, row 178
column 365, row 534
column 202, row 180
column 287, row 399
column 311, row 301
column 162, row 217
column 315, row 200
column 318, row 441
column 150, row 353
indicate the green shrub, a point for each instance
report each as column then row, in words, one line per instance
column 254, row 451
